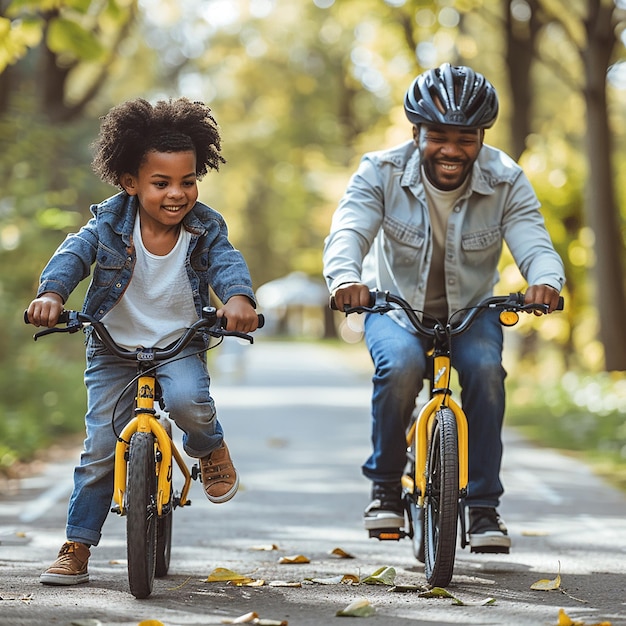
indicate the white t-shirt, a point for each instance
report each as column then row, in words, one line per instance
column 158, row 303
column 440, row 205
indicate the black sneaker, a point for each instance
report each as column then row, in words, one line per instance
column 487, row 532
column 386, row 509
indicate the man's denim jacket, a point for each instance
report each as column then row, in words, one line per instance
column 107, row 241
column 381, row 235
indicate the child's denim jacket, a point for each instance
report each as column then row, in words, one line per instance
column 107, row 241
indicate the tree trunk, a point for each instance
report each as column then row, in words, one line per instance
column 520, row 37
column 602, row 210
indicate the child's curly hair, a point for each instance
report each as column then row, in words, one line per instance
column 132, row 129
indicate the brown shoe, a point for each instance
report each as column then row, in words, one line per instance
column 219, row 476
column 70, row 568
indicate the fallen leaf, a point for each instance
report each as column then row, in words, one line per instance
column 547, row 585
column 382, row 576
column 253, row 618
column 437, row 592
column 349, row 579
column 565, row 620
column 284, row 583
column 297, row 558
column 535, row 533
column 151, row 622
column 247, row 583
column 222, row 575
column 242, row 619
column 358, row 608
column 268, row 547
column 342, row 554
column 485, row 602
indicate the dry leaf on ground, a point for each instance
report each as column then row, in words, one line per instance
column 341, row 553
column 382, row 576
column 358, row 608
column 297, row 558
column 224, row 575
column 548, row 585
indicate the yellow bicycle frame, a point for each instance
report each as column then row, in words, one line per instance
column 146, row 422
column 421, row 430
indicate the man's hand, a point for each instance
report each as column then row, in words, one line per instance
column 45, row 310
column 542, row 294
column 351, row 295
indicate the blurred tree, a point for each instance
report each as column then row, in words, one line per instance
column 65, row 47
column 587, row 36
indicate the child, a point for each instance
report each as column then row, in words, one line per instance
column 156, row 251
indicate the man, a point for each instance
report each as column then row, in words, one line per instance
column 427, row 220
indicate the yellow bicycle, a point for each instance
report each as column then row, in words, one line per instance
column 435, row 481
column 145, row 452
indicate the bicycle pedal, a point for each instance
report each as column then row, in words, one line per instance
column 387, row 534
column 116, row 509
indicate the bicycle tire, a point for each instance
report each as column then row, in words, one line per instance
column 442, row 500
column 163, row 544
column 141, row 518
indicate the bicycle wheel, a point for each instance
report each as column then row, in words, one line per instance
column 442, row 500
column 141, row 518
column 163, row 544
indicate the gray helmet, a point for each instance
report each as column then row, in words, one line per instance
column 452, row 95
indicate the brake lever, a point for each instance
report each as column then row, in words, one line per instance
column 70, row 328
column 377, row 308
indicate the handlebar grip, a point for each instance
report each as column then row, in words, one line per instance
column 224, row 321
column 333, row 304
column 64, row 317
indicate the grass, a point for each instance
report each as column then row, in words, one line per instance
column 580, row 414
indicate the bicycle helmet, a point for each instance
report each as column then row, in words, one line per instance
column 452, row 95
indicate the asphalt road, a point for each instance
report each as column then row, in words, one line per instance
column 296, row 421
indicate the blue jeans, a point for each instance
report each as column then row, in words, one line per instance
column 399, row 371
column 185, row 390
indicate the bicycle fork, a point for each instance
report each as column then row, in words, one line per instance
column 145, row 420
column 418, row 438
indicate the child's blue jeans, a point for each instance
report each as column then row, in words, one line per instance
column 185, row 389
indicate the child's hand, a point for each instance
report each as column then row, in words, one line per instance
column 240, row 314
column 45, row 310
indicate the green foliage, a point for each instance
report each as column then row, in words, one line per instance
column 70, row 38
column 577, row 413
column 16, row 38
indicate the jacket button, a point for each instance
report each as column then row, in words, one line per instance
column 118, row 285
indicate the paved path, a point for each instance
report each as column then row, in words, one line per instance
column 296, row 420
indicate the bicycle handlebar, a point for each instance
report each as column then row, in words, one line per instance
column 384, row 301
column 209, row 322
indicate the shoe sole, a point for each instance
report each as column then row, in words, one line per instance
column 492, row 543
column 227, row 496
column 63, row 579
column 384, row 520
